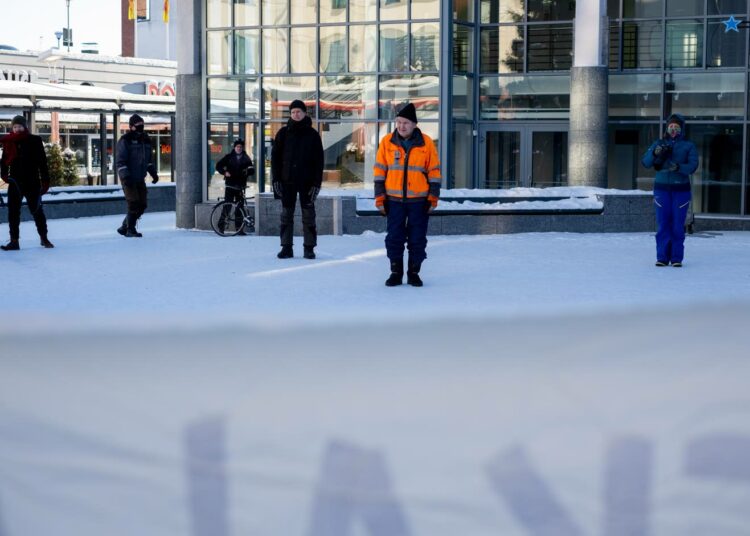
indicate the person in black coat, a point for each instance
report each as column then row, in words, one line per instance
column 133, row 163
column 24, row 168
column 297, row 170
column 236, row 167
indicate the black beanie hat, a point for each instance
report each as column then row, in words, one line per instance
column 239, row 141
column 19, row 120
column 408, row 111
column 296, row 103
column 135, row 118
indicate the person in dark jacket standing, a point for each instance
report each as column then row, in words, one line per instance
column 297, row 170
column 24, row 168
column 675, row 158
column 236, row 167
column 133, row 163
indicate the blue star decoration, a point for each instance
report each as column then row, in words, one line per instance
column 731, row 24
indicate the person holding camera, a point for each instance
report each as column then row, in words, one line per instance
column 407, row 188
column 236, row 167
column 133, row 163
column 674, row 158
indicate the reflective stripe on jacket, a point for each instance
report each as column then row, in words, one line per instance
column 404, row 175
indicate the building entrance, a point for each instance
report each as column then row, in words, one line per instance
column 528, row 155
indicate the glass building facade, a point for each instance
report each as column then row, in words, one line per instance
column 491, row 83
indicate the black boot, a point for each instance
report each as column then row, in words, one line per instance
column 412, row 274
column 286, row 252
column 45, row 242
column 309, row 252
column 131, row 220
column 397, row 274
column 11, row 246
column 123, row 229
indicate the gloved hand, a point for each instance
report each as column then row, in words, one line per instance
column 278, row 190
column 674, row 166
column 314, row 191
column 380, row 204
column 45, row 187
column 657, row 150
column 154, row 178
column 431, row 204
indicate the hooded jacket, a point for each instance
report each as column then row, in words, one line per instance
column 678, row 150
column 297, row 155
column 134, row 158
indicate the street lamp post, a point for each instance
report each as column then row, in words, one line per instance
column 67, row 3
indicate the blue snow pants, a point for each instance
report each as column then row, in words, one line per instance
column 407, row 223
column 671, row 211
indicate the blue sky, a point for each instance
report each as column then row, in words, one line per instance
column 31, row 24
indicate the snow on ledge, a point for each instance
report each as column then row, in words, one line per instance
column 463, row 193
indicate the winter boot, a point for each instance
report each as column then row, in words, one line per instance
column 397, row 274
column 132, row 233
column 286, row 252
column 123, row 229
column 309, row 252
column 660, row 263
column 677, row 264
column 45, row 242
column 412, row 274
column 11, row 246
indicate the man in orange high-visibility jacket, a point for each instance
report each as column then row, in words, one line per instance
column 407, row 188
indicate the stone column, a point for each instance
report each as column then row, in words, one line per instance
column 187, row 139
column 589, row 90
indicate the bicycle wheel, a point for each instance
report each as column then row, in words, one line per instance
column 228, row 219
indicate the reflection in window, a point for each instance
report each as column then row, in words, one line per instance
column 218, row 13
column 706, row 96
column 635, row 96
column 246, row 13
column 363, row 44
column 551, row 10
column 218, row 52
column 247, row 51
column 724, row 49
column 275, row 12
column 305, row 11
column 393, row 10
column 463, row 97
column 348, row 97
column 349, row 151
column 684, row 44
column 641, row 45
column 393, row 47
column 463, row 10
column 641, row 9
column 303, row 49
column 493, row 11
column 275, row 49
column 422, row 90
column 463, row 50
column 332, row 49
column 727, row 7
column 331, row 10
column 362, row 10
column 524, row 97
column 462, row 138
column 425, row 9
column 626, row 145
column 219, row 144
column 685, row 8
column 550, row 48
column 502, row 49
column 425, row 47
column 280, row 91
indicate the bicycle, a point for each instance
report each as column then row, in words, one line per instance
column 231, row 218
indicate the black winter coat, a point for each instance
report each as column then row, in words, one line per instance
column 239, row 169
column 297, row 155
column 29, row 167
column 134, row 158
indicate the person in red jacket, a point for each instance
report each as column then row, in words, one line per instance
column 407, row 188
column 24, row 167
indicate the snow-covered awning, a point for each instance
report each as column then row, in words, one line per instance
column 147, row 108
column 15, row 103
column 104, row 106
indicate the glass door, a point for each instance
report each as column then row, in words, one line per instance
column 526, row 155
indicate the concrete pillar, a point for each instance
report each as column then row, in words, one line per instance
column 589, row 90
column 187, row 138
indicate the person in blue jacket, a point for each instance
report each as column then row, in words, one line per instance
column 674, row 158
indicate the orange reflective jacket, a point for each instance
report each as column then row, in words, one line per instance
column 402, row 175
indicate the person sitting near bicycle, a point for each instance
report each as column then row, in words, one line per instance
column 236, row 167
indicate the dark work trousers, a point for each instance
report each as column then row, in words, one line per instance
column 407, row 223
column 137, row 197
column 33, row 196
column 288, row 203
column 671, row 211
column 233, row 195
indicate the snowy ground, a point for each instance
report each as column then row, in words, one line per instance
column 95, row 277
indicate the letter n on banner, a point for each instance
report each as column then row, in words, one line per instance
column 355, row 483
